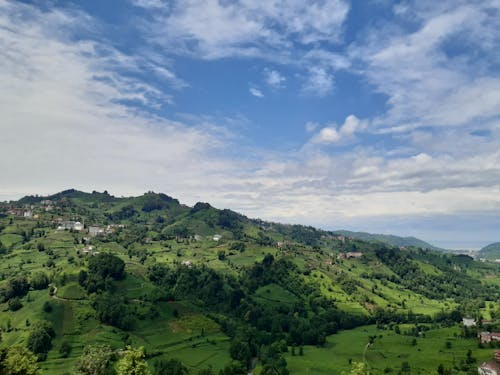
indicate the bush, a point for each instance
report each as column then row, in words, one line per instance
column 39, row 281
column 47, row 307
column 15, row 304
column 65, row 349
column 40, row 338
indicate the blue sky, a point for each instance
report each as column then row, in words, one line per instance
column 377, row 115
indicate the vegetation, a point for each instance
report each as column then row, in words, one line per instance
column 157, row 293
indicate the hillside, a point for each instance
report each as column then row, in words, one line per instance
column 224, row 294
column 492, row 251
column 390, row 239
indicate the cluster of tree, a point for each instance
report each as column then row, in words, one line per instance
column 40, row 338
column 17, row 286
column 258, row 329
column 102, row 270
column 449, row 284
column 113, row 310
column 18, row 360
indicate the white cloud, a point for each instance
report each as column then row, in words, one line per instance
column 73, row 116
column 69, row 118
column 256, row 92
column 274, row 78
column 217, row 29
column 311, row 126
column 424, row 78
column 150, row 4
column 319, row 82
column 334, row 134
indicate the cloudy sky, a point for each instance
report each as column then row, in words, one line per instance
column 375, row 115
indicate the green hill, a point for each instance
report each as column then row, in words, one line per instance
column 210, row 286
column 492, row 251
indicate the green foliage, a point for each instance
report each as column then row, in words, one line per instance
column 112, row 309
column 39, row 280
column 40, row 337
column 96, row 359
column 17, row 286
column 65, row 349
column 170, row 367
column 14, row 304
column 132, row 362
column 358, row 368
column 18, row 360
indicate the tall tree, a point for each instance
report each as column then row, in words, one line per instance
column 133, row 363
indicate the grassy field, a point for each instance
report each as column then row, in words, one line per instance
column 387, row 352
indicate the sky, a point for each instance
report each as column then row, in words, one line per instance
column 380, row 116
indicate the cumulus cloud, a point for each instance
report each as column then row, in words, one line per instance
column 319, row 82
column 217, row 29
column 274, row 78
column 424, row 81
column 256, row 92
column 334, row 134
column 70, row 118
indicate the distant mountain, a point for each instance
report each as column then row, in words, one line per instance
column 492, row 251
column 390, row 239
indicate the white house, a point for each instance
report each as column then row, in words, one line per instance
column 217, row 237
column 78, row 226
column 95, row 231
column 468, row 322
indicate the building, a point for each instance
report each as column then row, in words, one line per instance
column 96, row 231
column 217, row 237
column 65, row 224
column 187, row 263
column 489, row 368
column 78, row 226
column 468, row 322
column 487, row 337
column 349, row 255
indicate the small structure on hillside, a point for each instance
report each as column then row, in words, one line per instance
column 217, row 237
column 78, row 226
column 350, row 255
column 469, row 322
column 489, row 368
column 95, row 231
column 187, row 263
column 487, row 337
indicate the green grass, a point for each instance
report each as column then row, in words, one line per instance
column 274, row 294
column 388, row 351
column 71, row 291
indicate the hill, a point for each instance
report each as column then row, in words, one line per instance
column 390, row 239
column 225, row 294
column 492, row 251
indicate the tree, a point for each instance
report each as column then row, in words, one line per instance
column 40, row 337
column 169, row 367
column 18, row 360
column 358, row 368
column 39, row 281
column 96, row 360
column 133, row 363
column 16, row 287
column 15, row 304
column 65, row 349
column 234, row 368
column 111, row 309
